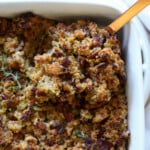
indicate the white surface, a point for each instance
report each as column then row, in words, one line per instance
column 96, row 8
column 143, row 38
column 144, row 16
column 147, row 114
column 136, row 101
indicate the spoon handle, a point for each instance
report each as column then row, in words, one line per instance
column 127, row 16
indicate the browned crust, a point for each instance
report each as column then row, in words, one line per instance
column 62, row 86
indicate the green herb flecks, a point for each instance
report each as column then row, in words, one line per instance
column 4, row 59
column 36, row 108
column 61, row 142
column 8, row 73
column 79, row 134
column 15, row 78
column 42, row 37
column 13, row 88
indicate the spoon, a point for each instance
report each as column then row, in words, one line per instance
column 127, row 16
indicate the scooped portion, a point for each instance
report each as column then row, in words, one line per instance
column 62, row 86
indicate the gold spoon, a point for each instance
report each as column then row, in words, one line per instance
column 127, row 16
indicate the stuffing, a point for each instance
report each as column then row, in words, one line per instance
column 62, row 86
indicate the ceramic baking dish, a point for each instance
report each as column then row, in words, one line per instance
column 102, row 12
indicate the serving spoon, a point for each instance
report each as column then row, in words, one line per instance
column 127, row 16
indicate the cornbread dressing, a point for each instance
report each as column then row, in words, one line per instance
column 62, row 86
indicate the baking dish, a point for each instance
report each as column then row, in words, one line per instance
column 101, row 12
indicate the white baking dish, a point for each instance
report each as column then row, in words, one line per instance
column 99, row 10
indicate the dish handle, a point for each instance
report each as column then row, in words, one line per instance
column 145, row 54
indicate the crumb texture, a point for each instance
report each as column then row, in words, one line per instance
column 62, row 86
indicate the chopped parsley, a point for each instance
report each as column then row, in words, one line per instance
column 36, row 108
column 8, row 73
column 79, row 134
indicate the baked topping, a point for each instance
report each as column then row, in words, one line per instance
column 62, row 86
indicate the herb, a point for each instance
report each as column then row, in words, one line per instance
column 61, row 142
column 4, row 58
column 9, row 109
column 15, row 78
column 36, row 108
column 12, row 88
column 8, row 73
column 79, row 134
column 42, row 37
